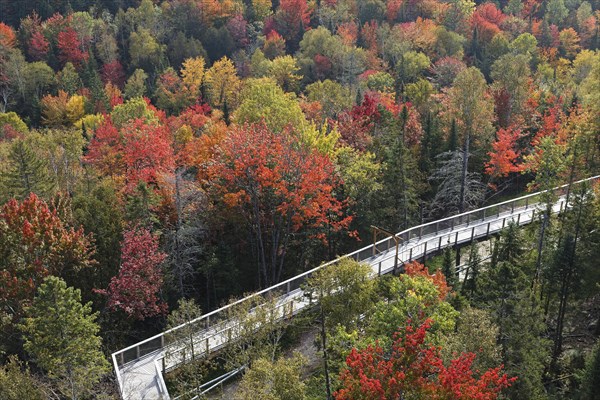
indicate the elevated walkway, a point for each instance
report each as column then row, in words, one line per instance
column 140, row 367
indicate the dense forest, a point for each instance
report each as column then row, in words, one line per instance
column 158, row 158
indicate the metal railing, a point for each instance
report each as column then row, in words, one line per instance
column 211, row 321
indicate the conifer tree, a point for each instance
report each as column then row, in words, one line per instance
column 61, row 335
column 26, row 173
column 449, row 268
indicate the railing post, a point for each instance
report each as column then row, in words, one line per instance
column 512, row 207
column 288, row 288
column 519, row 219
column 472, row 234
column 437, row 227
column 503, row 222
column 122, row 358
column 137, row 351
column 425, row 252
column 440, row 244
column 456, row 239
column 410, row 255
column 379, row 271
column 561, row 206
column 487, row 233
column 420, row 232
column 164, row 367
column 468, row 219
column 483, row 218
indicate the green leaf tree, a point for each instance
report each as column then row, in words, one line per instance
column 279, row 380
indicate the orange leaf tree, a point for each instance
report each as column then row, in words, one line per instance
column 279, row 187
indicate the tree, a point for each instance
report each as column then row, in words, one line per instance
column 69, row 79
column 136, row 84
column 591, row 375
column 549, row 164
column 476, row 333
column 70, row 48
column 145, row 51
column 135, row 290
column 470, row 105
column 344, row 292
column 139, row 151
column 186, row 312
column 556, row 11
column 279, row 188
column 25, row 172
column 222, row 84
column 280, row 380
column 511, row 73
column 8, row 39
column 35, row 243
column 17, row 383
column 415, row 369
column 192, row 73
column 449, row 268
column 505, row 154
column 413, row 296
column 11, row 126
column 262, row 100
column 455, row 192
column 283, row 70
column 61, row 336
column 188, row 351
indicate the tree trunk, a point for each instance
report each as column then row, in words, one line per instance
column 325, row 356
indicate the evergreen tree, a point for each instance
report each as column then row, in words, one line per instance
column 591, row 376
column 449, row 268
column 510, row 245
column 473, row 271
column 26, row 172
column 61, row 335
column 400, row 178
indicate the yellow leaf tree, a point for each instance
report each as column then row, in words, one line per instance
column 222, row 84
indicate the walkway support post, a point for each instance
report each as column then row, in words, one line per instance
column 396, row 238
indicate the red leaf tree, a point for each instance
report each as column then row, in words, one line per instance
column 35, row 243
column 139, row 151
column 505, row 154
column 414, row 369
column 279, row 187
column 135, row 290
column 70, row 48
column 38, row 46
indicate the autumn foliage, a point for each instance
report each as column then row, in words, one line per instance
column 438, row 279
column 414, row 369
column 139, row 151
column 136, row 288
column 505, row 155
column 35, row 243
column 279, row 186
